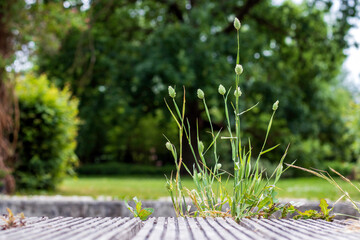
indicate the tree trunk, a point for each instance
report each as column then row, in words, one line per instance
column 7, row 112
column 6, row 129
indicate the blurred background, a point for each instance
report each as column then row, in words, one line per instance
column 82, row 86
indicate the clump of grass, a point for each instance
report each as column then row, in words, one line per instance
column 253, row 193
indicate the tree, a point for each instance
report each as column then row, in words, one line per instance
column 132, row 50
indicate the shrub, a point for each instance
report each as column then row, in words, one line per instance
column 48, row 128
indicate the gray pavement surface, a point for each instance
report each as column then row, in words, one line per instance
column 169, row 228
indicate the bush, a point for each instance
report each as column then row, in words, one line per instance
column 48, row 128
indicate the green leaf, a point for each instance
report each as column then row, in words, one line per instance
column 269, row 149
column 145, row 213
column 138, row 207
column 248, row 109
column 324, row 207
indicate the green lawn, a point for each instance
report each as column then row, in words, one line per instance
column 154, row 187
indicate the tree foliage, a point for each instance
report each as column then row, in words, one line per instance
column 121, row 63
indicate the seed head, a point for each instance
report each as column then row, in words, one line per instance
column 218, row 166
column 275, row 105
column 200, row 94
column 237, row 92
column 172, row 92
column 238, row 69
column 169, row 146
column 221, row 89
column 201, row 147
column 237, row 23
column 199, row 175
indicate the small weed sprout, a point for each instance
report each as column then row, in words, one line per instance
column 142, row 213
column 253, row 194
column 12, row 221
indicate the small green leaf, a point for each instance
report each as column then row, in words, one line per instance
column 145, row 213
column 269, row 149
column 324, row 207
column 138, row 207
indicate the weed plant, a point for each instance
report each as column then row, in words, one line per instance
column 10, row 220
column 326, row 176
column 138, row 211
column 253, row 192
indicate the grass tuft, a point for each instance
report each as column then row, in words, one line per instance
column 252, row 193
